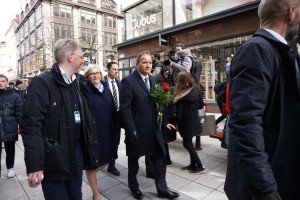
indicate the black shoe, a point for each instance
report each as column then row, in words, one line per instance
column 168, row 194
column 150, row 175
column 168, row 162
column 136, row 193
column 195, row 170
column 189, row 167
column 113, row 170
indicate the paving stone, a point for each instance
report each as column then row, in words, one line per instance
column 196, row 190
column 216, row 195
column 210, row 181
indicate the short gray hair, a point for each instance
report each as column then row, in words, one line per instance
column 90, row 68
column 63, row 47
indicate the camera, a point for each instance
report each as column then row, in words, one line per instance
column 171, row 56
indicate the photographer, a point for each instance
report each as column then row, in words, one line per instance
column 182, row 62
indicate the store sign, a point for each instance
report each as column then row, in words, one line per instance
column 147, row 20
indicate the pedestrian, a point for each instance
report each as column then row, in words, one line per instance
column 142, row 133
column 103, row 107
column 11, row 84
column 188, row 100
column 58, row 129
column 19, row 89
column 114, row 84
column 263, row 160
column 11, row 110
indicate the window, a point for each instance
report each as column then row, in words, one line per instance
column 26, row 27
column 63, row 11
column 26, row 46
column 32, row 40
column 38, row 13
column 40, row 58
column 109, row 39
column 110, row 21
column 109, row 5
column 88, row 35
column 31, row 21
column 63, row 31
column 87, row 17
column 88, row 1
column 39, row 35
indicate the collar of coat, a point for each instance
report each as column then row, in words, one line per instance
column 182, row 94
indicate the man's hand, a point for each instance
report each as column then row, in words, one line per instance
column 134, row 138
column 267, row 196
column 35, row 178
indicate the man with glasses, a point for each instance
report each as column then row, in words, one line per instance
column 56, row 127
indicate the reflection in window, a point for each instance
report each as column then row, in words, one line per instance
column 31, row 21
column 26, row 27
column 32, row 40
column 38, row 13
column 39, row 34
column 108, row 4
column 87, row 17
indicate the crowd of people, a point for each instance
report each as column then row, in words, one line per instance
column 71, row 122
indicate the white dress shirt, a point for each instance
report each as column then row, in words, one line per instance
column 65, row 77
column 111, row 89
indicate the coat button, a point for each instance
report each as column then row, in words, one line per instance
column 96, row 141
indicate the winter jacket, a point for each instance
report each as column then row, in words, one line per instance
column 264, row 116
column 21, row 93
column 45, row 123
column 187, row 106
column 183, row 64
column 11, row 110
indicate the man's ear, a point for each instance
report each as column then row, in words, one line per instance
column 291, row 14
column 70, row 57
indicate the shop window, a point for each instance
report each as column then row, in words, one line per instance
column 109, row 5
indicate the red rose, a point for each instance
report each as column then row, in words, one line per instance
column 165, row 86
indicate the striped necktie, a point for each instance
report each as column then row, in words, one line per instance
column 147, row 83
column 115, row 94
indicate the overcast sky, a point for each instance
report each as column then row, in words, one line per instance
column 9, row 9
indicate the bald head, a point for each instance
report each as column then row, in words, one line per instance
column 273, row 10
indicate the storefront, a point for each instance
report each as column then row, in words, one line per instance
column 212, row 29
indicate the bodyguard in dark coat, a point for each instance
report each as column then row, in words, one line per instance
column 114, row 84
column 263, row 160
column 57, row 129
column 142, row 134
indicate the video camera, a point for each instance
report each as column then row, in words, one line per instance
column 171, row 56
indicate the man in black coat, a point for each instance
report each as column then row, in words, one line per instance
column 57, row 129
column 143, row 136
column 19, row 89
column 263, row 160
column 114, row 85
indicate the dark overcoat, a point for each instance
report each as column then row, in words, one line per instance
column 45, row 119
column 187, row 113
column 116, row 114
column 265, row 112
column 139, row 114
column 11, row 110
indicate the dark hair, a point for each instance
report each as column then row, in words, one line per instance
column 11, row 83
column 109, row 65
column 180, row 45
column 138, row 58
column 3, row 76
column 18, row 82
column 184, row 80
column 156, row 55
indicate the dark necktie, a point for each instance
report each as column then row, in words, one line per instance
column 115, row 94
column 147, row 83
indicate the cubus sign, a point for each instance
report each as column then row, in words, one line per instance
column 143, row 21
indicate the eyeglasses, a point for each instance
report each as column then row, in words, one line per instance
column 79, row 56
column 94, row 74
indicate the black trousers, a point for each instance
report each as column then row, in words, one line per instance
column 10, row 149
column 188, row 145
column 159, row 166
column 149, row 165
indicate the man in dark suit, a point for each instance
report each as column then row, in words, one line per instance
column 114, row 84
column 143, row 136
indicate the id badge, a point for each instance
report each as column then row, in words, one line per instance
column 77, row 117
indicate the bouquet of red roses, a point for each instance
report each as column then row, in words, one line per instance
column 161, row 95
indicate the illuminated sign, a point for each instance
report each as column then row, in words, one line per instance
column 143, row 21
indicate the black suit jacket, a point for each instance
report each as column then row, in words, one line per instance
column 139, row 114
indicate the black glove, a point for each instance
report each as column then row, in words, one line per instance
column 134, row 137
column 267, row 196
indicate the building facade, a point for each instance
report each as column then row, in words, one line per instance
column 212, row 29
column 3, row 58
column 93, row 23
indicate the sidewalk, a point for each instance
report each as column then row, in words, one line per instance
column 207, row 185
